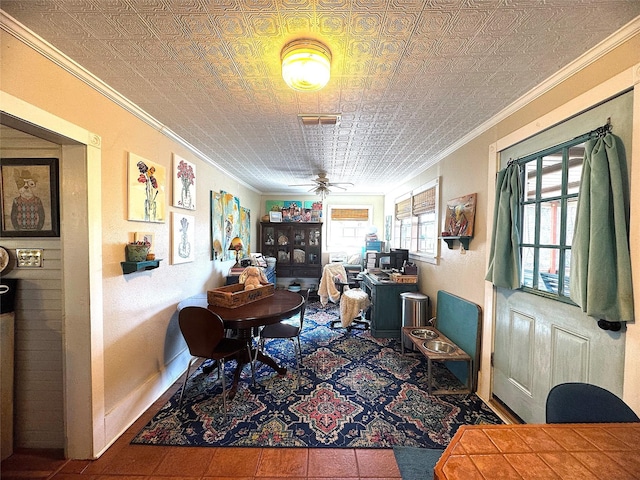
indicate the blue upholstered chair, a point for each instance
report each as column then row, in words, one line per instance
column 577, row 402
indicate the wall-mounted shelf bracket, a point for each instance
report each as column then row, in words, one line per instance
column 130, row 267
column 463, row 240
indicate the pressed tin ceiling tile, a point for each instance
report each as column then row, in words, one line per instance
column 409, row 77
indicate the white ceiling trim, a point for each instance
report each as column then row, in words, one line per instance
column 33, row 40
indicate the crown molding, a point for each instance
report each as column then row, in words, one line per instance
column 44, row 48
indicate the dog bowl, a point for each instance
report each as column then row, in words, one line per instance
column 438, row 346
column 424, row 333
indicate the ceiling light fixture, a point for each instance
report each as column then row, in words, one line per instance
column 306, row 65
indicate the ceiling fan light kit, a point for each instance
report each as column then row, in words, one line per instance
column 306, row 65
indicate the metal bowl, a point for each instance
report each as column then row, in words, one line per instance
column 424, row 333
column 438, row 346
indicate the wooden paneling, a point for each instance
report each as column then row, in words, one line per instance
column 38, row 408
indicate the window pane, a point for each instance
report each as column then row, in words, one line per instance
column 549, row 259
column 550, row 223
column 551, row 175
column 527, row 266
column 531, row 177
column 576, row 158
column 567, row 272
column 427, row 235
column 529, row 224
column 572, row 208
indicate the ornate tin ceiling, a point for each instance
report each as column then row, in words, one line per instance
column 409, row 78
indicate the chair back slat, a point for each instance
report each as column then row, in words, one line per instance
column 202, row 330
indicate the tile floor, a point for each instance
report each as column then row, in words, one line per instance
column 123, row 461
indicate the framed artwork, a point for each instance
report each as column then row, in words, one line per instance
column 146, row 237
column 461, row 214
column 184, row 183
column 29, row 197
column 182, row 238
column 231, row 223
column 294, row 210
column 275, row 217
column 216, row 226
column 147, row 184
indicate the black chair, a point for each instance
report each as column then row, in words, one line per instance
column 290, row 329
column 577, row 402
column 204, row 333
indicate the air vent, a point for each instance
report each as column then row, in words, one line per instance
column 309, row 119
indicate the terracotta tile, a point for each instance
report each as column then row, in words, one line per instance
column 476, row 441
column 227, row 478
column 377, row 463
column 34, row 460
column 187, row 461
column 540, row 437
column 135, row 460
column 75, row 466
column 332, row 463
column 495, row 466
column 566, row 465
column 530, row 466
column 120, row 477
column 507, row 440
column 233, row 462
column 283, row 462
column 457, row 466
column 601, row 465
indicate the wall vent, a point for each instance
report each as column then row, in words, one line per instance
column 309, row 119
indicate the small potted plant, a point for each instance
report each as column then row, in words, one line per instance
column 137, row 251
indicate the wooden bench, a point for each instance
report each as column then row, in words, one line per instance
column 458, row 322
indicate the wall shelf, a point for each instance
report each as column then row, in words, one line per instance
column 131, row 267
column 463, row 240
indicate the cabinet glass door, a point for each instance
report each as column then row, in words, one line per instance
column 284, row 245
column 313, row 248
column 269, row 242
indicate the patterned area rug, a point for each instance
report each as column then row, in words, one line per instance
column 355, row 391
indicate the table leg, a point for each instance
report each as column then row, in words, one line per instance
column 243, row 360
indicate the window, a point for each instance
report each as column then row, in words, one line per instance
column 416, row 227
column 348, row 226
column 551, row 183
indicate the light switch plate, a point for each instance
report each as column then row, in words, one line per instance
column 29, row 257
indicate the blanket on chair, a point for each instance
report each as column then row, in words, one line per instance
column 327, row 289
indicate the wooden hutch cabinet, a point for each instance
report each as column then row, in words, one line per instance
column 296, row 246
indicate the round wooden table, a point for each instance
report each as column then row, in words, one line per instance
column 282, row 304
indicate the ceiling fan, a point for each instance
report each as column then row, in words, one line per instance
column 321, row 185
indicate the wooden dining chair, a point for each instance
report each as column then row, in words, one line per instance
column 204, row 333
column 287, row 329
column 577, row 402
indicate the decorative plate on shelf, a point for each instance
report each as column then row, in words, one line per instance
column 4, row 259
column 283, row 240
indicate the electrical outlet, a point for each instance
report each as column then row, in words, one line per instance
column 29, row 257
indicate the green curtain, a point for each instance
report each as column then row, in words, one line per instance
column 600, row 281
column 504, row 260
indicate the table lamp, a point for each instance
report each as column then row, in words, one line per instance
column 236, row 244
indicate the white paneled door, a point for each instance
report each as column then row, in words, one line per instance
column 541, row 342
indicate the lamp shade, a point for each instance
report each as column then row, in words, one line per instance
column 236, row 244
column 306, row 65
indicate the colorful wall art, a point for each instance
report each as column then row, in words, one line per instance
column 147, row 183
column 184, row 183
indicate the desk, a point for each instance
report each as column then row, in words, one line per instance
column 386, row 305
column 282, row 304
column 557, row 451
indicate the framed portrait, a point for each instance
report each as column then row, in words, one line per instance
column 183, row 236
column 29, row 197
column 275, row 217
column 184, row 183
column 147, row 183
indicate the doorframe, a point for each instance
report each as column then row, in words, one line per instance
column 629, row 78
column 81, row 243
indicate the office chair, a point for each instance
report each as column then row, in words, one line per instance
column 577, row 402
column 287, row 330
column 204, row 333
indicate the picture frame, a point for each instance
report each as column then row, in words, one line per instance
column 147, row 237
column 33, row 184
column 147, row 182
column 183, row 236
column 184, row 183
column 275, row 217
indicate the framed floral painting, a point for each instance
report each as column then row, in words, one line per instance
column 183, row 236
column 147, row 197
column 184, row 183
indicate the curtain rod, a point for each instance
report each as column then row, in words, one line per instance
column 597, row 132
